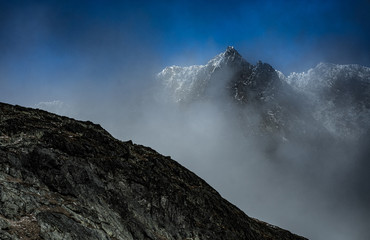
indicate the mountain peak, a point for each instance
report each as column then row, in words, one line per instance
column 230, row 50
column 228, row 57
column 227, row 74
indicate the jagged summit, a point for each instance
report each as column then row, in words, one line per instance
column 223, row 75
column 228, row 77
column 231, row 49
column 327, row 75
column 229, row 58
column 340, row 95
column 231, row 55
column 327, row 90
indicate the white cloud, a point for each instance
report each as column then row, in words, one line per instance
column 56, row 106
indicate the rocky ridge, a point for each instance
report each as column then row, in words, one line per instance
column 329, row 98
column 252, row 90
column 228, row 70
column 340, row 96
column 67, row 179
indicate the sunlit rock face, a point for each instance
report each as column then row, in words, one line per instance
column 314, row 125
column 227, row 73
column 187, row 84
column 340, row 95
column 328, row 98
column 265, row 104
column 67, row 179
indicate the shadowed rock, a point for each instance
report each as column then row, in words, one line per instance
column 67, row 179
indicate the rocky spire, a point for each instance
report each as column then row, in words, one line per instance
column 232, row 56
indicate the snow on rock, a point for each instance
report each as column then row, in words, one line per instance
column 336, row 96
column 190, row 83
column 340, row 94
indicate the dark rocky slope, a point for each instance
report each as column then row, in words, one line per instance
column 67, row 179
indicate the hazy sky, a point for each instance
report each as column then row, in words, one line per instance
column 97, row 60
column 48, row 46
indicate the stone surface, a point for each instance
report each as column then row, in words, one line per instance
column 331, row 99
column 67, row 179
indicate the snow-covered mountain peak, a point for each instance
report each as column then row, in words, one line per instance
column 336, row 97
column 326, row 75
column 229, row 57
column 340, row 95
column 189, row 83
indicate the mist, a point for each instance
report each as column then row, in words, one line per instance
column 99, row 62
column 315, row 186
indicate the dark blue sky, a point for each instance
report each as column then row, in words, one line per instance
column 49, row 46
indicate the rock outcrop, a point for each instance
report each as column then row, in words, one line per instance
column 340, row 97
column 265, row 103
column 67, row 179
column 329, row 99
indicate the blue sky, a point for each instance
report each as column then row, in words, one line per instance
column 96, row 60
column 48, row 49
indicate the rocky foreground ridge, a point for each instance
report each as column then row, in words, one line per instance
column 67, row 179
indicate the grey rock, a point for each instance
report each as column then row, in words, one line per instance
column 67, row 179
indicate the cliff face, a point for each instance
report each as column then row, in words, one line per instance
column 330, row 98
column 258, row 97
column 67, row 179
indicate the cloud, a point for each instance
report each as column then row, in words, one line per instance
column 306, row 183
column 312, row 187
column 56, row 106
column 99, row 61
